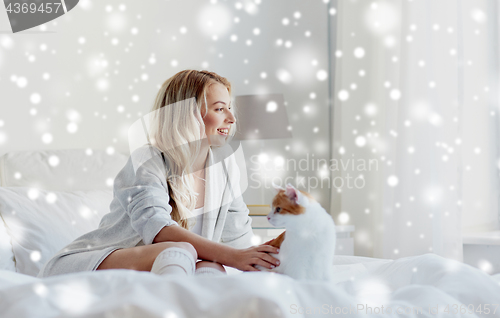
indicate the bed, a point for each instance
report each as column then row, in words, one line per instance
column 48, row 198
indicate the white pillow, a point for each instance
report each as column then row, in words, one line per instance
column 6, row 254
column 39, row 229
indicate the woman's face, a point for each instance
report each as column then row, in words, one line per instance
column 218, row 117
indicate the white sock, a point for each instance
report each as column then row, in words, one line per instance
column 174, row 261
column 208, row 271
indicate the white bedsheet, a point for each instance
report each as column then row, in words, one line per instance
column 421, row 281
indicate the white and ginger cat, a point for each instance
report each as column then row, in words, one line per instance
column 308, row 248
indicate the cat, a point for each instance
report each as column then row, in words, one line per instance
column 307, row 247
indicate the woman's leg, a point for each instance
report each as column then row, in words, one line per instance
column 209, row 268
column 215, row 265
column 141, row 258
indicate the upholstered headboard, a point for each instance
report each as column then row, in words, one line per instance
column 61, row 170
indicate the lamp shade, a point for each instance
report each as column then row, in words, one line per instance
column 261, row 117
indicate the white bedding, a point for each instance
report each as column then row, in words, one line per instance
column 421, row 281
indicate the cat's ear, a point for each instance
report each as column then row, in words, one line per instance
column 276, row 187
column 292, row 193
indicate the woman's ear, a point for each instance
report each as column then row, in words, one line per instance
column 276, row 187
column 292, row 193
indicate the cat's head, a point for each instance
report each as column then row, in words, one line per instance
column 287, row 203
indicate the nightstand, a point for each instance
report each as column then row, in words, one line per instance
column 265, row 231
column 482, row 250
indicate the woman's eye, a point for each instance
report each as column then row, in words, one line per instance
column 218, row 109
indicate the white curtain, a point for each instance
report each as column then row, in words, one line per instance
column 425, row 101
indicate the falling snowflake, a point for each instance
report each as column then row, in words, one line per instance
column 392, row 181
column 35, row 256
column 343, row 95
column 72, row 128
column 51, row 197
column 47, row 138
column 35, row 98
column 21, row 82
column 321, row 75
column 54, row 161
column 284, row 76
column 33, row 193
column 271, row 106
column 343, row 217
column 359, row 52
column 395, row 94
column 360, row 141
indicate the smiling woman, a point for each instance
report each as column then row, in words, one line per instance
column 190, row 109
column 163, row 216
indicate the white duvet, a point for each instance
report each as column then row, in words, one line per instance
column 420, row 286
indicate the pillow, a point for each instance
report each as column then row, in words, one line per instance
column 6, row 254
column 41, row 223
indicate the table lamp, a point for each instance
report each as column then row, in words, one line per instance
column 261, row 117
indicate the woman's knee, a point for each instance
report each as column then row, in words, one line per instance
column 184, row 245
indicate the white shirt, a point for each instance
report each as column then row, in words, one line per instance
column 199, row 220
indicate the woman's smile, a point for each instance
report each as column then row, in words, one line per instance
column 223, row 131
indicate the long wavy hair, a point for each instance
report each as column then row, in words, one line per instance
column 177, row 129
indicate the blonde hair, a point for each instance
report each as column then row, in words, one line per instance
column 177, row 131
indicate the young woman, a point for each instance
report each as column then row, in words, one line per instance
column 170, row 203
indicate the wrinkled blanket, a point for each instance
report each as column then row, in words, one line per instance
column 419, row 286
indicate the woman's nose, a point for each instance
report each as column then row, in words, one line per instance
column 230, row 118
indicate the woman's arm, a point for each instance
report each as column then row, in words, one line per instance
column 216, row 252
column 206, row 249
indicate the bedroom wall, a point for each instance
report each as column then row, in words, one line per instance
column 81, row 80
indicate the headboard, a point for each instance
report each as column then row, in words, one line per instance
column 61, row 170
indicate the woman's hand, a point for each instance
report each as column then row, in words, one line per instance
column 255, row 255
